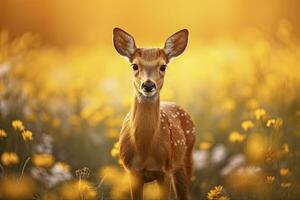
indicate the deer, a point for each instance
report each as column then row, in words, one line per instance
column 157, row 138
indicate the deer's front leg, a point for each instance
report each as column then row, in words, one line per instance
column 164, row 186
column 136, row 184
column 180, row 181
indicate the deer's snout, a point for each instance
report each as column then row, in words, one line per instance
column 148, row 86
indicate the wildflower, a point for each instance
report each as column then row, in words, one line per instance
column 274, row 123
column 12, row 187
column 18, row 125
column 260, row 113
column 27, row 135
column 205, row 145
column 115, row 150
column 247, row 125
column 9, row 158
column 285, row 184
column 285, row 148
column 279, row 123
column 2, row 133
column 43, row 160
column 223, row 198
column 83, row 173
column 117, row 179
column 236, row 137
column 80, row 189
column 215, row 193
column 270, row 179
column 66, row 167
column 285, row 172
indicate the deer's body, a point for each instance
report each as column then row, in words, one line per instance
column 165, row 148
column 157, row 138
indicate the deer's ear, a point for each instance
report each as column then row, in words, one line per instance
column 123, row 42
column 176, row 43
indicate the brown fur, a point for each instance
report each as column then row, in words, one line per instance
column 157, row 138
column 150, row 54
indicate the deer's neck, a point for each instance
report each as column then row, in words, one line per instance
column 144, row 122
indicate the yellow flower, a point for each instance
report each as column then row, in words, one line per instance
column 285, row 148
column 260, row 113
column 27, row 135
column 223, row 198
column 81, row 189
column 285, row 184
column 43, row 160
column 274, row 123
column 279, row 123
column 236, row 137
column 12, row 187
column 247, row 125
column 18, row 125
column 285, row 172
column 65, row 166
column 2, row 133
column 215, row 193
column 115, row 150
column 205, row 145
column 9, row 158
column 270, row 123
column 117, row 179
column 270, row 179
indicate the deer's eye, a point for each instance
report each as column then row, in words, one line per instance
column 163, row 68
column 134, row 67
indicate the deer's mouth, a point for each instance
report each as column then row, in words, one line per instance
column 149, row 94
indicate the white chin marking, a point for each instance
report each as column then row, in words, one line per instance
column 147, row 96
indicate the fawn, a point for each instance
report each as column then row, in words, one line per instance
column 157, row 138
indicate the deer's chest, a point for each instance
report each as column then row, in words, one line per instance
column 148, row 163
column 156, row 158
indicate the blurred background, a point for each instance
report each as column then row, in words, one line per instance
column 64, row 92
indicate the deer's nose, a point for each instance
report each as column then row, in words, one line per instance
column 148, row 86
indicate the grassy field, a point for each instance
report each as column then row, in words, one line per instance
column 61, row 112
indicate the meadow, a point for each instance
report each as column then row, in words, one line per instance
column 61, row 111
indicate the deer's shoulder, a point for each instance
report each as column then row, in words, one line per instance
column 180, row 122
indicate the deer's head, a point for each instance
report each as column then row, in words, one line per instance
column 149, row 64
